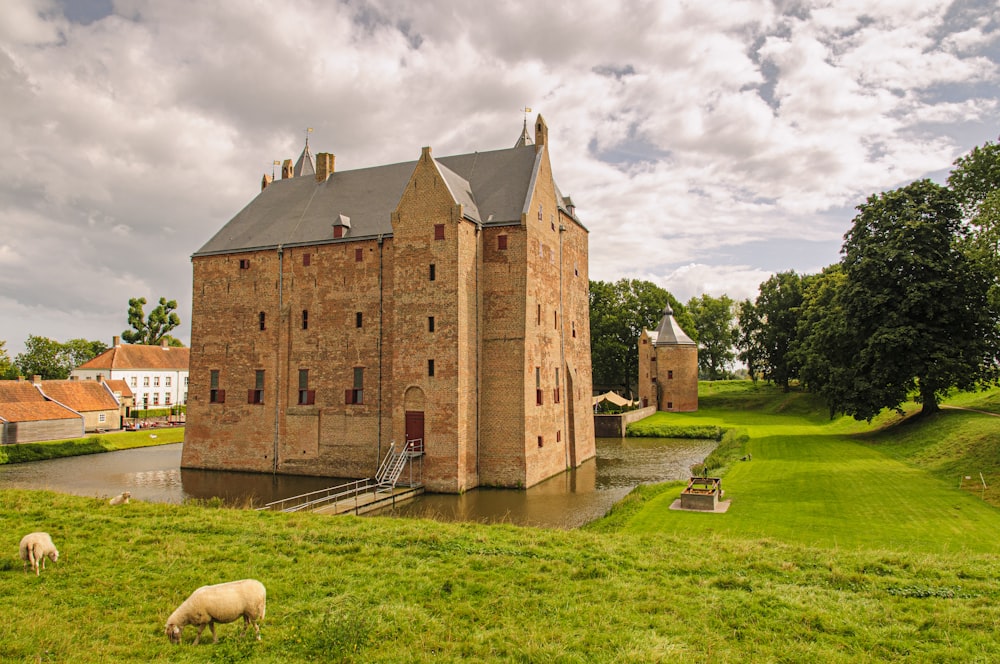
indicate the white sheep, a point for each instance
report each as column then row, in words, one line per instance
column 120, row 499
column 221, row 603
column 34, row 549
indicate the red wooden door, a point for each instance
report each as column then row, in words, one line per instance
column 415, row 428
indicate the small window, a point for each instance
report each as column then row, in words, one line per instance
column 430, row 323
column 438, row 231
column 306, row 260
column 215, row 395
column 538, row 315
column 244, row 263
column 256, row 395
column 145, row 381
column 166, row 399
column 670, row 374
column 156, row 381
column 358, row 318
column 572, row 326
column 539, row 219
column 135, row 381
column 541, row 442
column 670, row 405
column 430, row 367
column 359, row 255
column 555, row 392
column 555, row 319
column 652, row 359
column 156, row 398
column 502, row 242
column 261, row 320
column 307, row 397
column 558, row 435
column 102, row 418
column 356, row 395
column 338, row 232
column 654, row 379
column 576, row 270
column 167, row 381
column 305, row 319
column 432, row 272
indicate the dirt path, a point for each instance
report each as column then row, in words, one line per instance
column 972, row 410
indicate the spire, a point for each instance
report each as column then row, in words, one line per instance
column 305, row 166
column 525, row 137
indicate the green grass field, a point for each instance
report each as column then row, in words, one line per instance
column 841, row 483
column 844, row 543
column 105, row 442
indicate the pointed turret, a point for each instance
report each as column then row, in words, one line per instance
column 304, row 166
column 525, row 137
column 669, row 333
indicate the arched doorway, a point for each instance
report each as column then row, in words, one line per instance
column 413, row 407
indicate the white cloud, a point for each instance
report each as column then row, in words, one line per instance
column 690, row 136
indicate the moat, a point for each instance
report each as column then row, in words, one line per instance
column 568, row 500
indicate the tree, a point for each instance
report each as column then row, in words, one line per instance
column 716, row 334
column 777, row 310
column 618, row 313
column 153, row 330
column 749, row 341
column 7, row 368
column 917, row 316
column 43, row 357
column 974, row 177
column 79, row 351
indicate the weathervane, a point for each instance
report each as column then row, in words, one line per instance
column 308, row 131
column 276, row 162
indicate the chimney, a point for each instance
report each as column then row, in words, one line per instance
column 36, row 380
column 116, row 341
column 266, row 180
column 100, row 379
column 286, row 169
column 324, row 166
column 164, row 344
column 541, row 133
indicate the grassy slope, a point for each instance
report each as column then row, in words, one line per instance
column 105, row 442
column 745, row 586
column 391, row 590
column 838, row 482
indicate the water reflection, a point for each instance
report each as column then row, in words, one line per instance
column 571, row 499
column 566, row 501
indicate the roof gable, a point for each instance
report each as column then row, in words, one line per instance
column 140, row 357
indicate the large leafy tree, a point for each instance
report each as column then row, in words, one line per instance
column 749, row 338
column 618, row 313
column 777, row 312
column 43, row 357
column 152, row 330
column 824, row 345
column 714, row 324
column 975, row 176
column 916, row 311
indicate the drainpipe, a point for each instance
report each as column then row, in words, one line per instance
column 277, row 361
column 479, row 344
column 562, row 345
column 378, row 396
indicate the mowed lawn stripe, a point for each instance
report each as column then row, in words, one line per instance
column 807, row 485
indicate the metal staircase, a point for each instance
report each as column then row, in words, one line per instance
column 395, row 462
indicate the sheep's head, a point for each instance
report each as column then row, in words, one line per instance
column 53, row 555
column 174, row 633
column 126, row 495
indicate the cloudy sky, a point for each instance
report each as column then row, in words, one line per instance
column 706, row 145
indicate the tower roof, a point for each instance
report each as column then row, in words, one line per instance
column 669, row 333
column 305, row 166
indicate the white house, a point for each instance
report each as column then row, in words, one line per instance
column 157, row 375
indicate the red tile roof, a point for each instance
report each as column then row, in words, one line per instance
column 120, row 386
column 80, row 395
column 135, row 356
column 20, row 401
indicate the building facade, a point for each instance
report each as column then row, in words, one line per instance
column 668, row 367
column 156, row 375
column 443, row 301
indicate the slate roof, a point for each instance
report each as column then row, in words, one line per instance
column 492, row 186
column 138, row 357
column 20, row 401
column 83, row 396
column 668, row 332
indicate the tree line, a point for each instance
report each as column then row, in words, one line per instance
column 54, row 360
column 911, row 311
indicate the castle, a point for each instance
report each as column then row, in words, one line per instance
column 443, row 301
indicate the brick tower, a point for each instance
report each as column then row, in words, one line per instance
column 668, row 367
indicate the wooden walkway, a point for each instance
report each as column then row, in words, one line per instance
column 362, row 503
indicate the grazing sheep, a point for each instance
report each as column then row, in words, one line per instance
column 120, row 499
column 221, row 603
column 34, row 548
